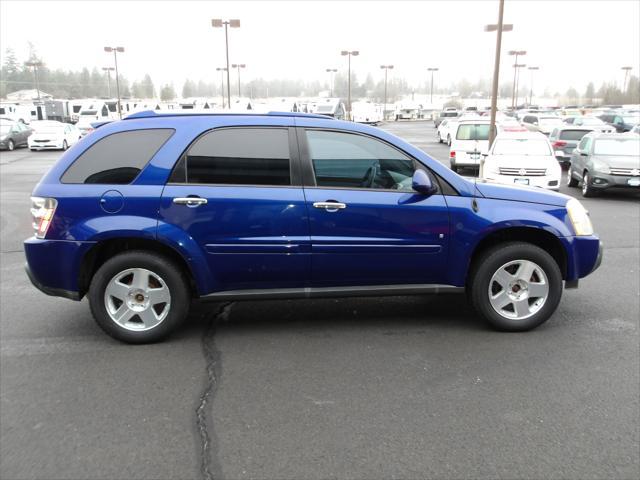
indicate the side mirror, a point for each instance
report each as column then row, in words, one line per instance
column 421, row 183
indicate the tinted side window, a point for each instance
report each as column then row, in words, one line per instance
column 237, row 156
column 355, row 161
column 529, row 119
column 117, row 158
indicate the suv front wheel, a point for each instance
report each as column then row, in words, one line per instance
column 516, row 286
column 139, row 297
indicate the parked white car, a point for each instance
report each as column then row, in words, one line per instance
column 444, row 128
column 541, row 122
column 522, row 158
column 469, row 143
column 52, row 135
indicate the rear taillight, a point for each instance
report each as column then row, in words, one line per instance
column 452, row 154
column 42, row 210
column 559, row 144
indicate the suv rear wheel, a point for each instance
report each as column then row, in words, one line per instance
column 139, row 297
column 516, row 286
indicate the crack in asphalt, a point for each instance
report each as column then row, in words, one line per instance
column 209, row 463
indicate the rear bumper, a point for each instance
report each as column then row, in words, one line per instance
column 53, row 266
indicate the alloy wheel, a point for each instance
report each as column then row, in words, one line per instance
column 518, row 289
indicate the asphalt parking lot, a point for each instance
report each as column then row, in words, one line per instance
column 397, row 387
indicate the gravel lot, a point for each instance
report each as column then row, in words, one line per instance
column 398, row 387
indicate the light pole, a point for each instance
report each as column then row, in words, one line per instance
column 432, row 69
column 518, row 66
column 331, row 72
column 349, row 53
column 531, row 69
column 386, row 69
column 221, row 70
column 35, row 64
column 108, row 70
column 626, row 75
column 115, row 51
column 238, row 66
column 234, row 23
column 517, row 53
column 499, row 28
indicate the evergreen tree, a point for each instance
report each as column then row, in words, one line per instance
column 167, row 93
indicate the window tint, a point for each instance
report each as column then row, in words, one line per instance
column 117, row 158
column 530, row 119
column 584, row 145
column 355, row 161
column 573, row 134
column 237, row 156
column 473, row 132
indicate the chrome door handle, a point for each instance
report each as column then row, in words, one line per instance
column 190, row 201
column 330, row 206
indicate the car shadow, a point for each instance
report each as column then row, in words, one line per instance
column 395, row 314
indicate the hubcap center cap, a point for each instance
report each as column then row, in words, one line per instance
column 518, row 290
column 137, row 300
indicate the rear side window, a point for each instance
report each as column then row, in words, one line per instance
column 237, row 156
column 118, row 158
column 573, row 134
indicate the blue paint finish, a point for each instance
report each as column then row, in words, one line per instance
column 249, row 237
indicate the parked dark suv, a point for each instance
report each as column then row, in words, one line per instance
column 147, row 213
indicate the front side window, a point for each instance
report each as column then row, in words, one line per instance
column 117, row 158
column 355, row 161
column 585, row 143
column 237, row 156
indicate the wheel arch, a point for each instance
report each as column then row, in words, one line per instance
column 535, row 236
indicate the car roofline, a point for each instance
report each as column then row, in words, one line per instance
column 155, row 114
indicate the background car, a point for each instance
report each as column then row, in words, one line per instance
column 594, row 122
column 541, row 123
column 565, row 139
column 523, row 159
column 52, row 135
column 621, row 122
column 13, row 134
column 469, row 142
column 444, row 115
column 603, row 161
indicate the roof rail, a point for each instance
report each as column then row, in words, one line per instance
column 156, row 114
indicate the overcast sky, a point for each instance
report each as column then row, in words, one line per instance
column 571, row 41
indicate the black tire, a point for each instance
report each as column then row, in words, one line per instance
column 587, row 190
column 490, row 262
column 170, row 273
column 11, row 145
column 439, row 139
column 449, row 140
column 571, row 182
column 454, row 167
column 64, row 146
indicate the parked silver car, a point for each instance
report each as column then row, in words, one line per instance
column 604, row 161
column 564, row 139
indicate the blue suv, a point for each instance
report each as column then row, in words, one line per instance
column 148, row 213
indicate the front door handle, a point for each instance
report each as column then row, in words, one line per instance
column 330, row 206
column 190, row 201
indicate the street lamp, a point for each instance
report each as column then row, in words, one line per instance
column 108, row 70
column 331, row 72
column 238, row 66
column 234, row 23
column 432, row 69
column 349, row 53
column 517, row 53
column 35, row 64
column 626, row 75
column 115, row 51
column 499, row 28
column 531, row 69
column 386, row 69
column 222, row 70
column 518, row 66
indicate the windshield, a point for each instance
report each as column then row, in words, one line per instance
column 449, row 114
column 521, row 146
column 473, row 132
column 617, row 146
column 573, row 134
column 88, row 112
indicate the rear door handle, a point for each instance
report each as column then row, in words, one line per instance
column 330, row 206
column 190, row 201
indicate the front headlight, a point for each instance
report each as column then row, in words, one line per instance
column 599, row 166
column 579, row 217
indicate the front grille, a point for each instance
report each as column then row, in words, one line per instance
column 627, row 172
column 529, row 172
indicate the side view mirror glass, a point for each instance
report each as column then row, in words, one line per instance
column 421, row 183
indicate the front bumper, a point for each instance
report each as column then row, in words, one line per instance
column 602, row 181
column 44, row 146
column 547, row 181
